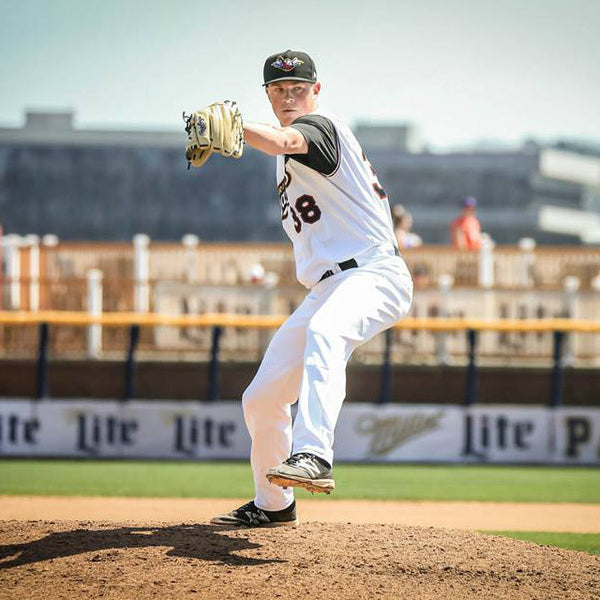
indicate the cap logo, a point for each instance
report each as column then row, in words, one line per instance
column 287, row 64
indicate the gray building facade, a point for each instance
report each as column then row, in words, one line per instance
column 110, row 185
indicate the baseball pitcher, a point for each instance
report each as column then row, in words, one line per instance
column 337, row 216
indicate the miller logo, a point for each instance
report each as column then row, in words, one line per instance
column 287, row 64
column 387, row 433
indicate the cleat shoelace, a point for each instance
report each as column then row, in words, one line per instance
column 298, row 459
column 247, row 507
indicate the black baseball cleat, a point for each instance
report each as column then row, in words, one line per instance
column 250, row 515
column 303, row 470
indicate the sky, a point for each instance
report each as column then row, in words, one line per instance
column 459, row 70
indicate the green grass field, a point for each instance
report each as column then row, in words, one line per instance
column 234, row 480
column 583, row 542
column 373, row 482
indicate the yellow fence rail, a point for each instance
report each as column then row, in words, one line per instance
column 127, row 319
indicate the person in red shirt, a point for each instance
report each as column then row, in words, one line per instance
column 465, row 229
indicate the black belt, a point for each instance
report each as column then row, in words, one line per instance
column 348, row 264
column 344, row 266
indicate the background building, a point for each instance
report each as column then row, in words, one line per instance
column 110, row 185
column 550, row 193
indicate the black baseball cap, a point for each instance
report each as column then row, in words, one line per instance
column 289, row 64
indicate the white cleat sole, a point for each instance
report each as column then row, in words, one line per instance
column 319, row 486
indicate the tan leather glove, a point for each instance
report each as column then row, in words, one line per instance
column 216, row 128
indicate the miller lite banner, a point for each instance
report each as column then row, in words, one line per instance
column 110, row 429
column 365, row 432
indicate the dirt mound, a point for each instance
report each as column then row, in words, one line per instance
column 58, row 560
column 490, row 516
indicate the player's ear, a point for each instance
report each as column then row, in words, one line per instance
column 316, row 88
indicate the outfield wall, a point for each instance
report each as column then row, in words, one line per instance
column 365, row 432
column 185, row 379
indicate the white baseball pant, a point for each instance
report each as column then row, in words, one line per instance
column 306, row 361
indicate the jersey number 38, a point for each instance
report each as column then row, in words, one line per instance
column 305, row 210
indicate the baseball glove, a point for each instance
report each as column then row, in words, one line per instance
column 216, row 128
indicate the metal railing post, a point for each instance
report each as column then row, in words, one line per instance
column 570, row 293
column 486, row 263
column 385, row 394
column 94, row 308
column 471, row 383
column 134, row 337
column 141, row 267
column 213, row 370
column 527, row 248
column 42, row 363
column 445, row 284
column 12, row 247
column 190, row 243
column 557, row 372
column 33, row 241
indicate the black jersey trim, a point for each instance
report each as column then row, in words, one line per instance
column 339, row 152
column 320, row 144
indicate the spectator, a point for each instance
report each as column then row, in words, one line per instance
column 465, row 229
column 402, row 221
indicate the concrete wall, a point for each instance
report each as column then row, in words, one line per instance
column 188, row 380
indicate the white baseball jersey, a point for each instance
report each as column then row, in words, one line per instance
column 334, row 217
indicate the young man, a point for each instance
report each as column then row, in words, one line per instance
column 337, row 216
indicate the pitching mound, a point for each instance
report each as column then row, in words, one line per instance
column 58, row 560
